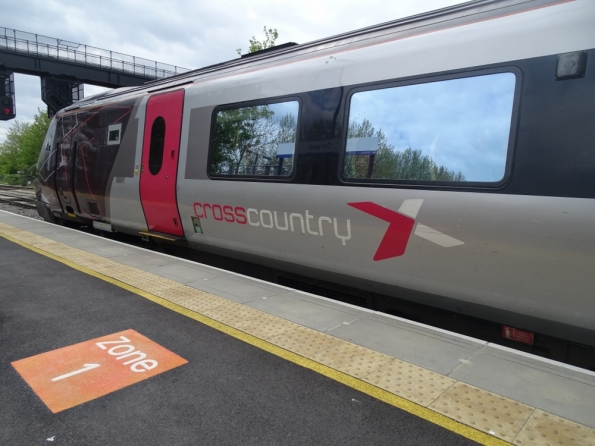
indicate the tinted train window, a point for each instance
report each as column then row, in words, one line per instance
column 255, row 141
column 157, row 144
column 450, row 130
column 44, row 162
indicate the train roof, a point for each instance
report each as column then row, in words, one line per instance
column 442, row 19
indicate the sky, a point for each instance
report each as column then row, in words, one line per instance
column 187, row 34
column 461, row 124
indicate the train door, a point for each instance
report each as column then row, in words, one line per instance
column 65, row 149
column 159, row 167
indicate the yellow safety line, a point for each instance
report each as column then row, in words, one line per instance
column 343, row 378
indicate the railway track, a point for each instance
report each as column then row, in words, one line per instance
column 21, row 196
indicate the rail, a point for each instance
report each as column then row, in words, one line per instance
column 35, row 44
column 17, row 196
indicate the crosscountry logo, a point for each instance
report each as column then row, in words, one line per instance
column 400, row 226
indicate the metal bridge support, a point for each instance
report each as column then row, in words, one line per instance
column 7, row 100
column 60, row 93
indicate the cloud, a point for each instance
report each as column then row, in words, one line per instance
column 462, row 124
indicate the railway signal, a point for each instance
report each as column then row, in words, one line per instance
column 7, row 102
column 7, row 111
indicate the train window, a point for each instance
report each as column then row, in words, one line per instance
column 157, row 145
column 454, row 130
column 255, row 141
column 44, row 162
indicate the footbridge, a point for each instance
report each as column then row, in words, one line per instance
column 64, row 67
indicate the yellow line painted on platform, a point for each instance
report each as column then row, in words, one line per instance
column 343, row 378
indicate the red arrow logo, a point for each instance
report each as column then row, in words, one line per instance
column 397, row 235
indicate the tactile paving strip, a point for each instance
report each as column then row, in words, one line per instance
column 545, row 429
column 305, row 341
column 232, row 313
column 191, row 298
column 352, row 359
column 265, row 326
column 498, row 416
column 483, row 410
column 249, row 320
column 410, row 381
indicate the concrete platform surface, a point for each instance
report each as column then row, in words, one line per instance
column 456, row 381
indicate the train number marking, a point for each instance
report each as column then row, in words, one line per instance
column 109, row 363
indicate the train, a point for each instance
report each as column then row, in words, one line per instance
column 443, row 162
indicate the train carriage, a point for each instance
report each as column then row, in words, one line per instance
column 439, row 167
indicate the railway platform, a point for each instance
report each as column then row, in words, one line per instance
column 103, row 342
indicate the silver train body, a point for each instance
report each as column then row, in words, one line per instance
column 518, row 250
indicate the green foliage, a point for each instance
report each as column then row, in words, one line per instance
column 240, row 132
column 287, row 129
column 19, row 153
column 270, row 36
column 409, row 164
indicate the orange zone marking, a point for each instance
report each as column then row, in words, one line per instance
column 73, row 375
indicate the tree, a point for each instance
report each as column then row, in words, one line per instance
column 270, row 35
column 287, row 129
column 246, row 140
column 409, row 164
column 240, row 133
column 19, row 153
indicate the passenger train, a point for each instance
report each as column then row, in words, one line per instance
column 444, row 161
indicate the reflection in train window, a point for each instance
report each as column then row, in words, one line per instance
column 255, row 141
column 157, row 144
column 450, row 130
column 44, row 164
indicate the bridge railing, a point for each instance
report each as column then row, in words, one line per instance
column 24, row 42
